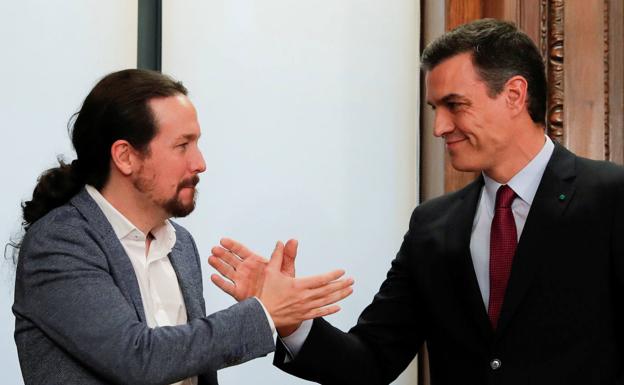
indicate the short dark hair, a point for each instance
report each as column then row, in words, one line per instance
column 116, row 108
column 499, row 51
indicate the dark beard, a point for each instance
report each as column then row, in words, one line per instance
column 175, row 207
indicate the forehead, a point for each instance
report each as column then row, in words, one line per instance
column 175, row 116
column 455, row 75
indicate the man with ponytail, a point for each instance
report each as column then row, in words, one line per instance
column 109, row 289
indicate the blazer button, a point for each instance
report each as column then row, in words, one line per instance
column 495, row 364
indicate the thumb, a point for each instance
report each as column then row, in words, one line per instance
column 277, row 256
column 290, row 253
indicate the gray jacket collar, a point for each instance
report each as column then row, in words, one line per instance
column 121, row 268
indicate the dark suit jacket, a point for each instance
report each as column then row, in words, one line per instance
column 79, row 317
column 561, row 321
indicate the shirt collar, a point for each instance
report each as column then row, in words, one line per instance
column 527, row 180
column 123, row 227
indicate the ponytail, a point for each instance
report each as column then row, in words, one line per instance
column 54, row 188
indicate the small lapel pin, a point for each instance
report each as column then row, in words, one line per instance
column 562, row 197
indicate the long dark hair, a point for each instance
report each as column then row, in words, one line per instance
column 116, row 108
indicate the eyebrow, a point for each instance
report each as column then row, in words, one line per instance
column 189, row 137
column 451, row 98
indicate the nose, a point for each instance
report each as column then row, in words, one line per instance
column 198, row 164
column 442, row 124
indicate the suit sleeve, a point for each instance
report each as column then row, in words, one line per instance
column 387, row 336
column 65, row 289
column 617, row 250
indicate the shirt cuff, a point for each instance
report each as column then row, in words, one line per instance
column 295, row 341
column 271, row 323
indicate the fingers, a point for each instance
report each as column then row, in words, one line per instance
column 325, row 305
column 329, row 289
column 238, row 248
column 323, row 311
column 226, row 256
column 285, row 321
column 277, row 256
column 226, row 270
column 320, row 280
column 290, row 252
column 338, row 294
column 290, row 249
column 222, row 284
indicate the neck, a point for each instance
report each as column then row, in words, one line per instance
column 526, row 144
column 133, row 205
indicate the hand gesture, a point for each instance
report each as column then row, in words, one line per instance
column 241, row 266
column 288, row 300
column 244, row 268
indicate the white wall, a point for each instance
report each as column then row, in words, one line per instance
column 53, row 52
column 309, row 116
column 309, row 113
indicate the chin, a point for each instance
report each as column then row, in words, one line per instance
column 465, row 166
column 180, row 210
column 180, row 206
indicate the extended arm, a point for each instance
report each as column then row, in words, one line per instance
column 66, row 288
column 388, row 335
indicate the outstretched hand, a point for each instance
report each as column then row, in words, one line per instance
column 244, row 269
column 288, row 300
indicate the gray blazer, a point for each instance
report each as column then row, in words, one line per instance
column 80, row 319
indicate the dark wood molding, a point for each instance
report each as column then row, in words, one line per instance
column 605, row 63
column 544, row 21
column 615, row 112
column 554, row 69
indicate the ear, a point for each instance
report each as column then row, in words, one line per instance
column 123, row 157
column 516, row 94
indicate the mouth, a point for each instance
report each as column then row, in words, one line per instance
column 453, row 142
column 189, row 183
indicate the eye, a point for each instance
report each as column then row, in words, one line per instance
column 453, row 105
column 183, row 146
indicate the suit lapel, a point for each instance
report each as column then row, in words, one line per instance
column 185, row 266
column 553, row 196
column 458, row 232
column 120, row 265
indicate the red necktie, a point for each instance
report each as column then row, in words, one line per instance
column 503, row 241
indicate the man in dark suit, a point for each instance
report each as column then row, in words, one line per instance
column 478, row 276
column 108, row 290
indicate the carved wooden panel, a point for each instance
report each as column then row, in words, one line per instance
column 614, row 89
column 553, row 32
column 584, row 78
column 605, row 63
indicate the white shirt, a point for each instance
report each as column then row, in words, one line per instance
column 524, row 184
column 158, row 283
